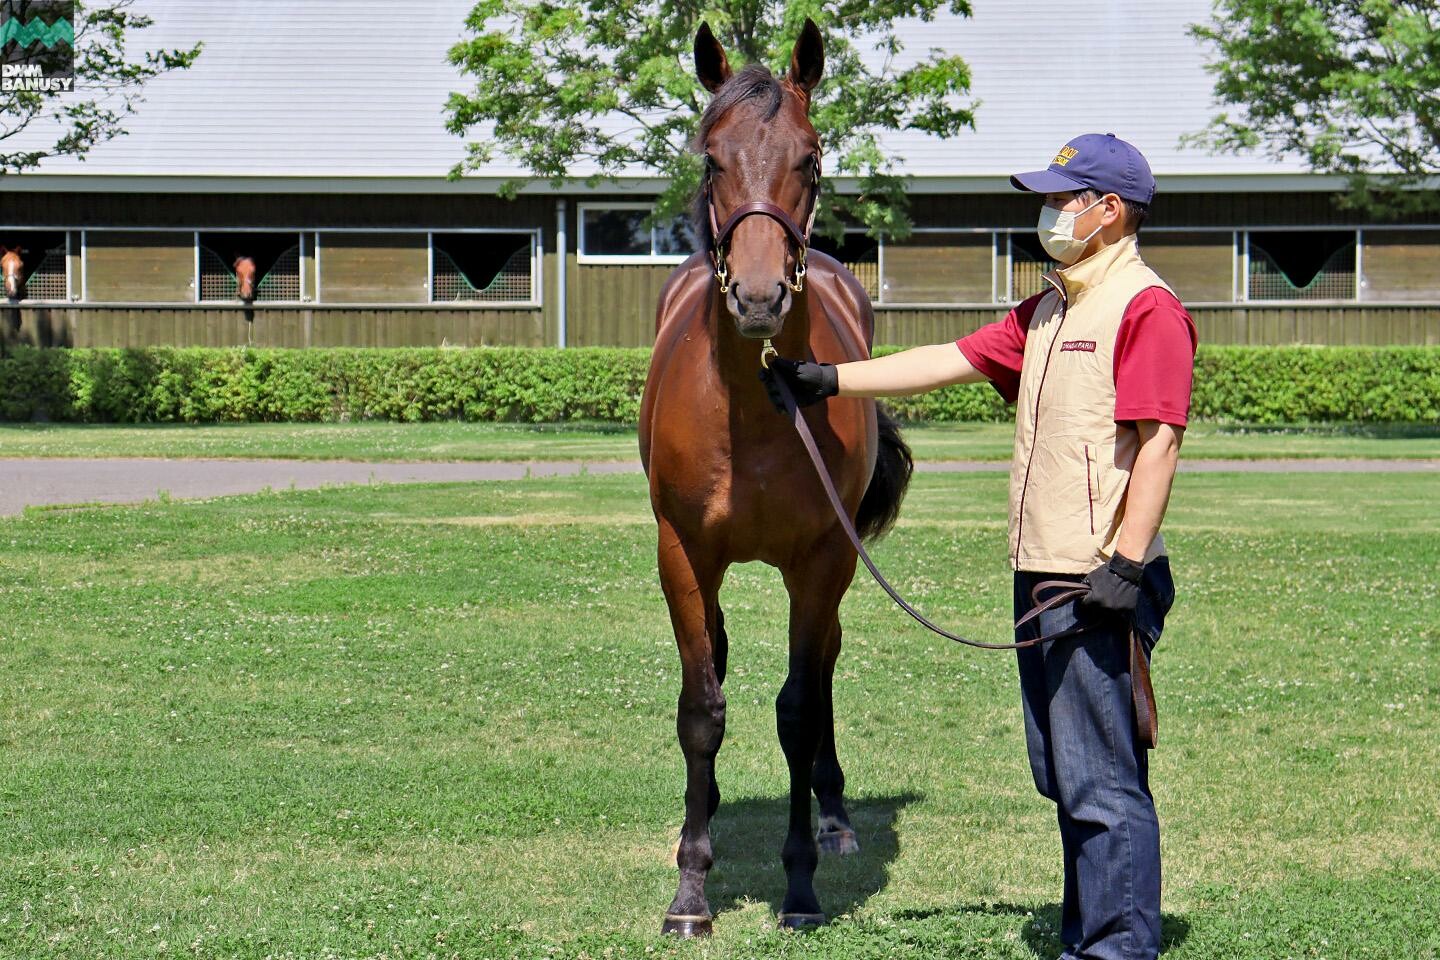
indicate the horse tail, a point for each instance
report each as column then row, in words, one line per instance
column 893, row 467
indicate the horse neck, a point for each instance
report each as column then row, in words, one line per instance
column 737, row 358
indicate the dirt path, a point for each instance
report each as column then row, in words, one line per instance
column 60, row 481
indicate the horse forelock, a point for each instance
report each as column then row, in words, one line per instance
column 753, row 82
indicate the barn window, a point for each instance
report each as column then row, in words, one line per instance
column 141, row 266
column 484, row 267
column 1028, row 264
column 939, row 266
column 1199, row 265
column 44, row 261
column 860, row 255
column 365, row 267
column 620, row 232
column 1400, row 265
column 1301, row 265
column 277, row 265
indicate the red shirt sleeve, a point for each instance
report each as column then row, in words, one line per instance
column 1154, row 359
column 997, row 349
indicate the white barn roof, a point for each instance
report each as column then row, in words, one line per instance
column 329, row 95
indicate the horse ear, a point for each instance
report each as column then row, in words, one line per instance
column 711, row 66
column 807, row 61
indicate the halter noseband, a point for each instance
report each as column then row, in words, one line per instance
column 720, row 235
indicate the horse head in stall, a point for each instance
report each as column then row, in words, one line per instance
column 245, row 277
column 13, row 267
column 729, row 479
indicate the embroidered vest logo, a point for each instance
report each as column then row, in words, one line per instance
column 1084, row 346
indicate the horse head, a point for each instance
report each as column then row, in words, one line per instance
column 761, row 180
column 245, row 278
column 12, row 266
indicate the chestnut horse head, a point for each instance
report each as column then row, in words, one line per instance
column 13, row 268
column 245, row 278
column 762, row 178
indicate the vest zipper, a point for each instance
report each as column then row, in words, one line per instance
column 1089, row 489
column 1039, row 390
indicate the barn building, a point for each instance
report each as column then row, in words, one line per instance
column 309, row 137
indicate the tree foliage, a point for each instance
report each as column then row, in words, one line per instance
column 109, row 84
column 553, row 77
column 1350, row 86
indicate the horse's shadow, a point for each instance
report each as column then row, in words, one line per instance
column 1040, row 930
column 747, row 834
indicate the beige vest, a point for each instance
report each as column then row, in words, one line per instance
column 1072, row 462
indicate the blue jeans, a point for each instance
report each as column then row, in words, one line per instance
column 1086, row 756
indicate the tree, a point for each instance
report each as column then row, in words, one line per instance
column 1350, row 86
column 108, row 85
column 558, row 82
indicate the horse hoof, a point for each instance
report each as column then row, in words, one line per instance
column 839, row 841
column 686, row 925
column 800, row 921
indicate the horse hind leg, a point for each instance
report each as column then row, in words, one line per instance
column 699, row 725
column 835, row 834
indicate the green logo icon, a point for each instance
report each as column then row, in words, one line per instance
column 50, row 35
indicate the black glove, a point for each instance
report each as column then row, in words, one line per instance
column 1115, row 586
column 808, row 382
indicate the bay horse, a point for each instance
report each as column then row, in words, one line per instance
column 729, row 480
column 245, row 277
column 13, row 267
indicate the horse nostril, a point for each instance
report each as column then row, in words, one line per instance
column 780, row 297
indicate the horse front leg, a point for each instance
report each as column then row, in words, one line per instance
column 690, row 592
column 802, row 716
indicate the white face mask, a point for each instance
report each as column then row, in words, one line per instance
column 1057, row 233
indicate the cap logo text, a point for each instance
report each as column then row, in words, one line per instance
column 1065, row 155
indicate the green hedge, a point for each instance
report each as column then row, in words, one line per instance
column 1241, row 384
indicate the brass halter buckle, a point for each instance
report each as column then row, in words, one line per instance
column 798, row 284
column 722, row 271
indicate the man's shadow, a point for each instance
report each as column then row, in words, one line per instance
column 747, row 835
column 1040, row 929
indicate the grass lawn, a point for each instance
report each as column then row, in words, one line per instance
column 600, row 441
column 439, row 722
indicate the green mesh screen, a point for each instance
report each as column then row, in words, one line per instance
column 47, row 282
column 513, row 282
column 1335, row 280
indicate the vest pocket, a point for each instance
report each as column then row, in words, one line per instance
column 1092, row 483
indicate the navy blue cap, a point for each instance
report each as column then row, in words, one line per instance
column 1095, row 161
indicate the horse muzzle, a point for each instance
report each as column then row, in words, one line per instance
column 759, row 313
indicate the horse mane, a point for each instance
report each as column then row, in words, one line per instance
column 753, row 82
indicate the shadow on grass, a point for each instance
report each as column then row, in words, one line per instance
column 1040, row 929
column 747, row 835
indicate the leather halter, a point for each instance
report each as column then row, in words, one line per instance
column 720, row 234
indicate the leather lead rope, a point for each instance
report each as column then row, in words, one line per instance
column 1142, row 694
column 1067, row 590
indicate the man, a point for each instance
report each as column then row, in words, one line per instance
column 1099, row 365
